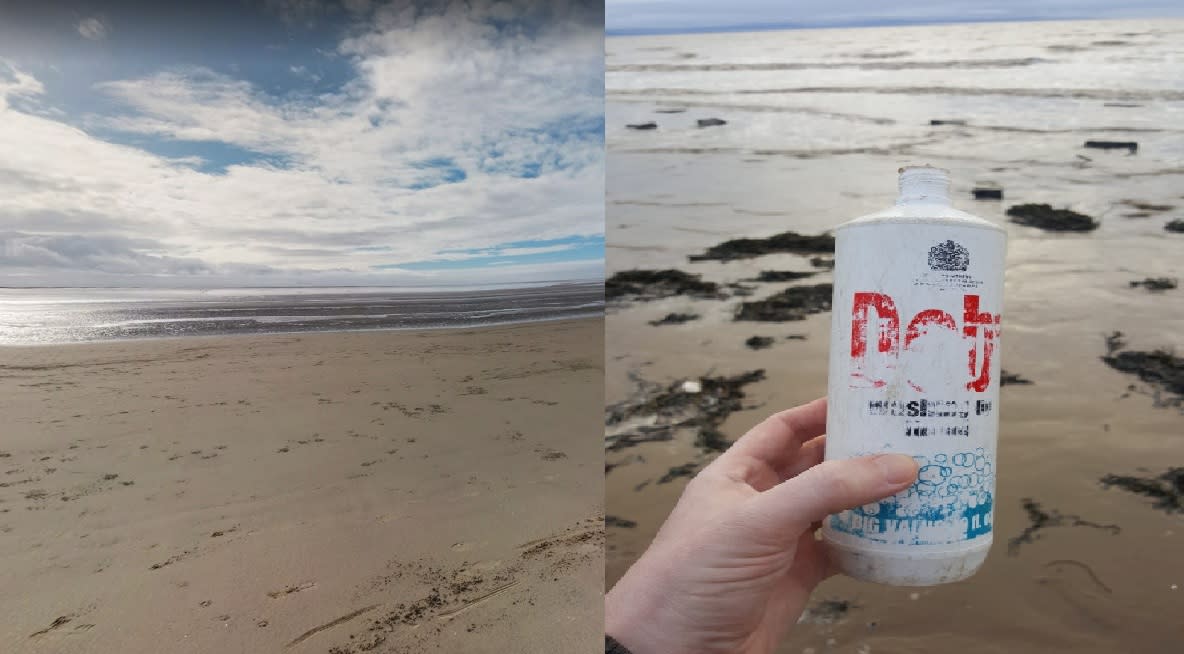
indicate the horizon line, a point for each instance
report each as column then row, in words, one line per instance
column 868, row 24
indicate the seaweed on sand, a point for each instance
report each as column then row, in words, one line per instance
column 645, row 285
column 794, row 303
column 747, row 248
column 759, row 342
column 684, row 470
column 1041, row 519
column 656, row 411
column 782, row 275
column 1162, row 369
column 623, row 523
column 1009, row 379
column 1156, row 284
column 675, row 319
column 1166, row 489
column 1048, row 218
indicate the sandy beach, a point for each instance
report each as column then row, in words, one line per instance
column 817, row 123
column 332, row 492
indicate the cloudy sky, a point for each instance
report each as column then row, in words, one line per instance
column 642, row 16
column 292, row 142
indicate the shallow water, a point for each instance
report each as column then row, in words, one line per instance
column 818, row 123
column 40, row 316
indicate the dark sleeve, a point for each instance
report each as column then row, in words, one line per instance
column 611, row 646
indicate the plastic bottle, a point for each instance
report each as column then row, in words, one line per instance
column 914, row 369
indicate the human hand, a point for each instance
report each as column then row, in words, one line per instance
column 735, row 562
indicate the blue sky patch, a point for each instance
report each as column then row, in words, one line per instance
column 215, row 156
column 438, row 171
column 570, row 248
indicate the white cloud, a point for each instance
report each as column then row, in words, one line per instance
column 441, row 86
column 17, row 84
column 93, row 28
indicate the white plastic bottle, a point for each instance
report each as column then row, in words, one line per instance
column 914, row 369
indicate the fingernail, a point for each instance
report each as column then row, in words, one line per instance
column 897, row 468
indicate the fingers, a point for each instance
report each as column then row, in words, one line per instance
column 788, row 509
column 811, row 454
column 776, row 441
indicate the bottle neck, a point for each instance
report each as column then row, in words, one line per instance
column 924, row 185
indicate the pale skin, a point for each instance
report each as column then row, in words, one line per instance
column 734, row 564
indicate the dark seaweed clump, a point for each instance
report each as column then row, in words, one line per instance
column 645, row 285
column 759, row 342
column 614, row 521
column 684, row 470
column 675, row 319
column 1130, row 146
column 1156, row 284
column 1056, row 220
column 1166, row 489
column 1041, row 519
column 1009, row 379
column 747, row 248
column 672, row 408
column 794, row 303
column 782, row 275
column 1162, row 369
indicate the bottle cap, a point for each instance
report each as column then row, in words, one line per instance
column 924, row 185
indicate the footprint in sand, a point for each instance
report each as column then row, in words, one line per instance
column 308, row 585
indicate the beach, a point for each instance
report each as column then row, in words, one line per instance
column 386, row 491
column 815, row 125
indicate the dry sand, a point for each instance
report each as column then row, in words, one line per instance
column 347, row 492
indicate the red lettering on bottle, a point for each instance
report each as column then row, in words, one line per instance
column 888, row 341
column 919, row 325
column 924, row 319
column 980, row 377
column 976, row 325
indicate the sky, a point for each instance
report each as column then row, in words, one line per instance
column 301, row 142
column 656, row 16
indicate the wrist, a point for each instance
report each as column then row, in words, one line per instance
column 636, row 616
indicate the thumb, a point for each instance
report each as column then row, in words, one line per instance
column 789, row 508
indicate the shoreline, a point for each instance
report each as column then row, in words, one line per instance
column 310, row 332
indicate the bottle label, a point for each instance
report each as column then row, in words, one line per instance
column 914, row 368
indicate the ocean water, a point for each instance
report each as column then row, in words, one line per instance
column 817, row 124
column 811, row 93
column 58, row 315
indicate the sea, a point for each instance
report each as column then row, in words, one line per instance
column 37, row 316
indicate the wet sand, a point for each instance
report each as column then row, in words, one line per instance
column 1075, row 584
column 343, row 492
